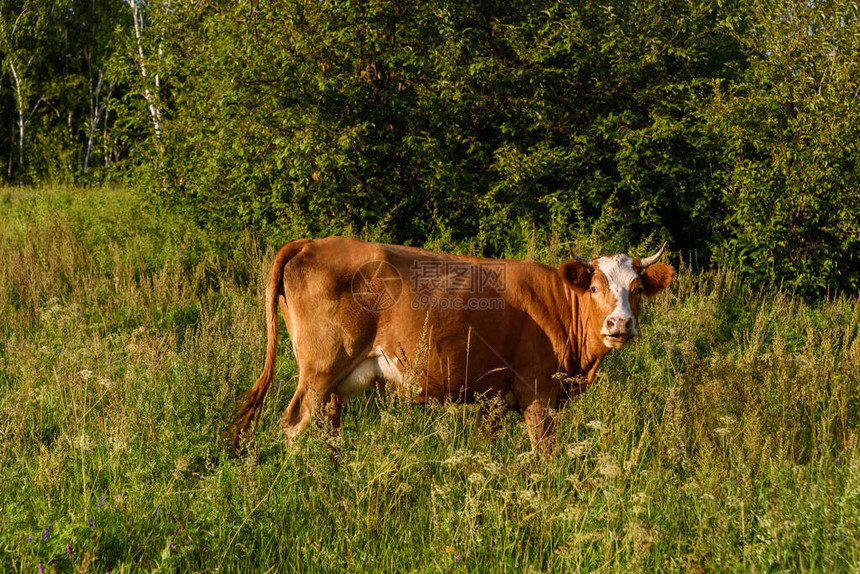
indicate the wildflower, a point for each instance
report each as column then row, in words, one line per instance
column 640, row 498
column 29, row 538
column 90, row 521
column 41, row 568
column 529, row 496
column 69, row 550
column 608, row 468
column 458, row 557
column 577, row 449
column 83, row 442
column 596, row 425
column 45, row 537
column 838, row 460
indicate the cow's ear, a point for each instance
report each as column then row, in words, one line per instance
column 576, row 274
column 657, row 277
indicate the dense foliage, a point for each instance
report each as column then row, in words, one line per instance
column 726, row 127
column 55, row 123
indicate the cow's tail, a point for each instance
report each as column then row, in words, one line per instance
column 252, row 401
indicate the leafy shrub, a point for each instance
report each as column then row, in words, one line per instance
column 787, row 131
column 728, row 128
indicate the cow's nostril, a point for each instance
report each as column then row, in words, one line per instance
column 610, row 323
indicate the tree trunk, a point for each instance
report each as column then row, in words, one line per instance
column 19, row 103
column 154, row 108
column 95, row 116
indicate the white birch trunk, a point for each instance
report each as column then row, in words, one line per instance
column 154, row 108
column 19, row 103
column 95, row 116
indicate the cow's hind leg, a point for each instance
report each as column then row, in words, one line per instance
column 313, row 397
column 330, row 392
column 334, row 408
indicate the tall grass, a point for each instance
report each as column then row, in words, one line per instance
column 726, row 438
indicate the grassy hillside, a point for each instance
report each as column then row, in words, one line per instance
column 726, row 438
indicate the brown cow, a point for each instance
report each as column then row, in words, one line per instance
column 445, row 327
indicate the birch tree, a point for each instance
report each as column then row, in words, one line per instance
column 150, row 83
column 100, row 89
column 97, row 108
column 17, row 61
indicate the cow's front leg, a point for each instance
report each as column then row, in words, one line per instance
column 541, row 426
column 491, row 415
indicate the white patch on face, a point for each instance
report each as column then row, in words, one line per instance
column 619, row 273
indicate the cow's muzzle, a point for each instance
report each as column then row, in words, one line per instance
column 618, row 331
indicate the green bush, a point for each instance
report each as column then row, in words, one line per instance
column 324, row 117
column 787, row 133
column 728, row 128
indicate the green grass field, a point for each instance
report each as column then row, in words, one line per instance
column 725, row 439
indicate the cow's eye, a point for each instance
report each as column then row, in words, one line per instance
column 594, row 288
column 638, row 291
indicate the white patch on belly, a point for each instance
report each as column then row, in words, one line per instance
column 379, row 368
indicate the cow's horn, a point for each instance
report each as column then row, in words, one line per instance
column 654, row 258
column 583, row 260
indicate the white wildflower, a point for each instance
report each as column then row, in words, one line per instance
column 83, row 442
column 596, row 425
column 608, row 468
column 578, row 449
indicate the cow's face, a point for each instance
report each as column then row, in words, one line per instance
column 613, row 286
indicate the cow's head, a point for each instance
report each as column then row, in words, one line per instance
column 613, row 286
